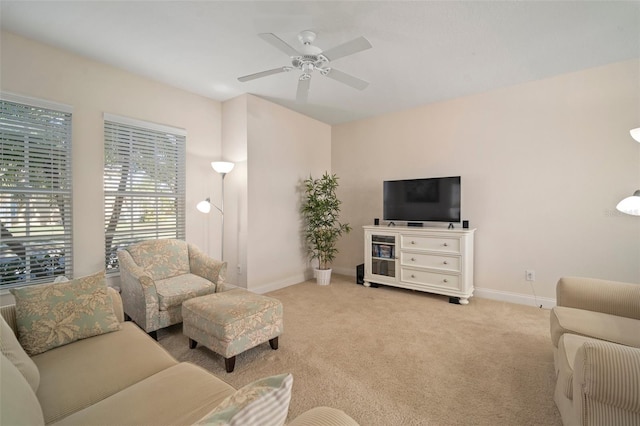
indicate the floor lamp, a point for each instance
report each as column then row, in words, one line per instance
column 222, row 167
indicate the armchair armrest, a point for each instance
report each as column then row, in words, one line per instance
column 140, row 299
column 319, row 416
column 609, row 297
column 606, row 383
column 206, row 267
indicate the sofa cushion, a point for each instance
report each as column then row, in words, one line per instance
column 601, row 326
column 80, row 374
column 173, row 291
column 18, row 403
column 179, row 395
column 13, row 351
column 52, row 315
column 161, row 259
column 264, row 402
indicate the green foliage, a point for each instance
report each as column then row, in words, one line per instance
column 320, row 210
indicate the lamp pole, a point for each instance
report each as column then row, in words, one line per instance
column 222, row 167
column 222, row 213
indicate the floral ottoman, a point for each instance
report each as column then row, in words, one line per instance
column 231, row 322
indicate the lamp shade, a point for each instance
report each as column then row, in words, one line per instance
column 222, row 166
column 630, row 205
column 635, row 133
column 204, row 206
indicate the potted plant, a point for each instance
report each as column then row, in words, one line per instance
column 320, row 210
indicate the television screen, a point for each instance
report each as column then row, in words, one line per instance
column 422, row 200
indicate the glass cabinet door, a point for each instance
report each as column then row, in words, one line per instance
column 383, row 255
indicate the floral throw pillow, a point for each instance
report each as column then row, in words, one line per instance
column 53, row 315
column 264, row 402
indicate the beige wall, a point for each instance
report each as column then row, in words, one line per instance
column 274, row 148
column 36, row 70
column 234, row 147
column 543, row 166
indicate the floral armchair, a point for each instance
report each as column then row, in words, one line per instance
column 156, row 276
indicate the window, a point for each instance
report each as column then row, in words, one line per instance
column 144, row 184
column 35, row 191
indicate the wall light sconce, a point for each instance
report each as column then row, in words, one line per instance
column 204, row 206
column 631, row 204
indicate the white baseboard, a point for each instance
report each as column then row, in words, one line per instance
column 485, row 293
column 521, row 299
column 277, row 285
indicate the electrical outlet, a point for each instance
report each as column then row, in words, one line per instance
column 530, row 275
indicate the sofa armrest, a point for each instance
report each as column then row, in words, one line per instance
column 117, row 303
column 206, row 267
column 609, row 297
column 606, row 384
column 139, row 295
column 323, row 416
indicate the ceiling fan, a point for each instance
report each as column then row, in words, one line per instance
column 311, row 58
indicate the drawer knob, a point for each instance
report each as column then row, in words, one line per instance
column 445, row 262
column 445, row 280
column 445, row 244
column 413, row 242
column 413, row 259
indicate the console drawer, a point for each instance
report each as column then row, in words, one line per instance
column 433, row 261
column 430, row 278
column 418, row 242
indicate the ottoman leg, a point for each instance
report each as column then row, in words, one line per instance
column 192, row 343
column 230, row 364
column 274, row 343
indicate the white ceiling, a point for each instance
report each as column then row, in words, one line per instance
column 423, row 51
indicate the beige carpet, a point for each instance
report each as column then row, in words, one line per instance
column 396, row 357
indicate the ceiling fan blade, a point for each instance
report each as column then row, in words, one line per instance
column 303, row 89
column 278, row 43
column 263, row 74
column 347, row 79
column 349, row 48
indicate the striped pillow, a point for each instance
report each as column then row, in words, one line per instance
column 264, row 402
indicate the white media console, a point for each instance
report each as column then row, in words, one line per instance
column 433, row 260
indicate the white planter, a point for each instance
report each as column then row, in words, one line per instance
column 323, row 276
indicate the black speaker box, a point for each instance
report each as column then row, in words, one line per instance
column 360, row 274
column 465, row 224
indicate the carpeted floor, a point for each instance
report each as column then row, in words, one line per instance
column 396, row 357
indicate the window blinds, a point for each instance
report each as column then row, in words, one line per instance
column 35, row 194
column 144, row 184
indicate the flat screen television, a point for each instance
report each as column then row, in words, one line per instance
column 422, row 200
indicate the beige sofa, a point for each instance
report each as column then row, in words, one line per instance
column 595, row 331
column 122, row 377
